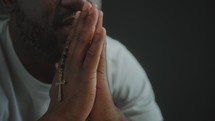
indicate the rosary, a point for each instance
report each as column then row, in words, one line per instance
column 61, row 81
column 61, row 67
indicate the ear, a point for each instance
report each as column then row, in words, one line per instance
column 9, row 5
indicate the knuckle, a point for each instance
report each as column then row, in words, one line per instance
column 91, row 53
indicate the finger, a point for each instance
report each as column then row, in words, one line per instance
column 103, row 104
column 70, row 40
column 72, row 60
column 73, row 36
column 93, row 54
column 82, row 19
column 100, row 20
column 102, row 87
column 87, row 33
column 101, row 71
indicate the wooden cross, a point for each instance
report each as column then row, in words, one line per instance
column 59, row 84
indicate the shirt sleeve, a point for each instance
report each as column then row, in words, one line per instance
column 130, row 87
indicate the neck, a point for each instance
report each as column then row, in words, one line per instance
column 42, row 68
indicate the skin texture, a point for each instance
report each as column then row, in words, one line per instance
column 42, row 29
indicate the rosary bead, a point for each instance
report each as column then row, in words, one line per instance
column 66, row 49
column 62, row 66
column 64, row 56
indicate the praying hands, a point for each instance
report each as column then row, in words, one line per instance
column 80, row 89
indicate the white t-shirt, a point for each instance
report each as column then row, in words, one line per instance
column 24, row 98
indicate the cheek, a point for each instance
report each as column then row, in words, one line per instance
column 32, row 8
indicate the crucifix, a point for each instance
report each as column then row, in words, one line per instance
column 61, row 81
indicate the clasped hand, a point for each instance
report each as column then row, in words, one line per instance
column 86, row 93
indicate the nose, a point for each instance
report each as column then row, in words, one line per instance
column 72, row 4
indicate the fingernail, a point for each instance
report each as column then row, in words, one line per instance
column 101, row 13
column 77, row 14
column 91, row 11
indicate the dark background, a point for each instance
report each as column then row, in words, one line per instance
column 174, row 42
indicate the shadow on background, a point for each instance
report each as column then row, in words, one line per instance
column 174, row 42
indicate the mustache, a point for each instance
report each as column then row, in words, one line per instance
column 61, row 15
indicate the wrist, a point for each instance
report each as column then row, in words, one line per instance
column 111, row 114
column 120, row 116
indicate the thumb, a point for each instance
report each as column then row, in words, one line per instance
column 103, row 105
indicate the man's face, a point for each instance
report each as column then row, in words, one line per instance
column 44, row 24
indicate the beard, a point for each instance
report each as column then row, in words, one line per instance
column 40, row 40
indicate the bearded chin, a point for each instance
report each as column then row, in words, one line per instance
column 40, row 40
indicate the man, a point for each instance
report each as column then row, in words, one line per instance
column 61, row 46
